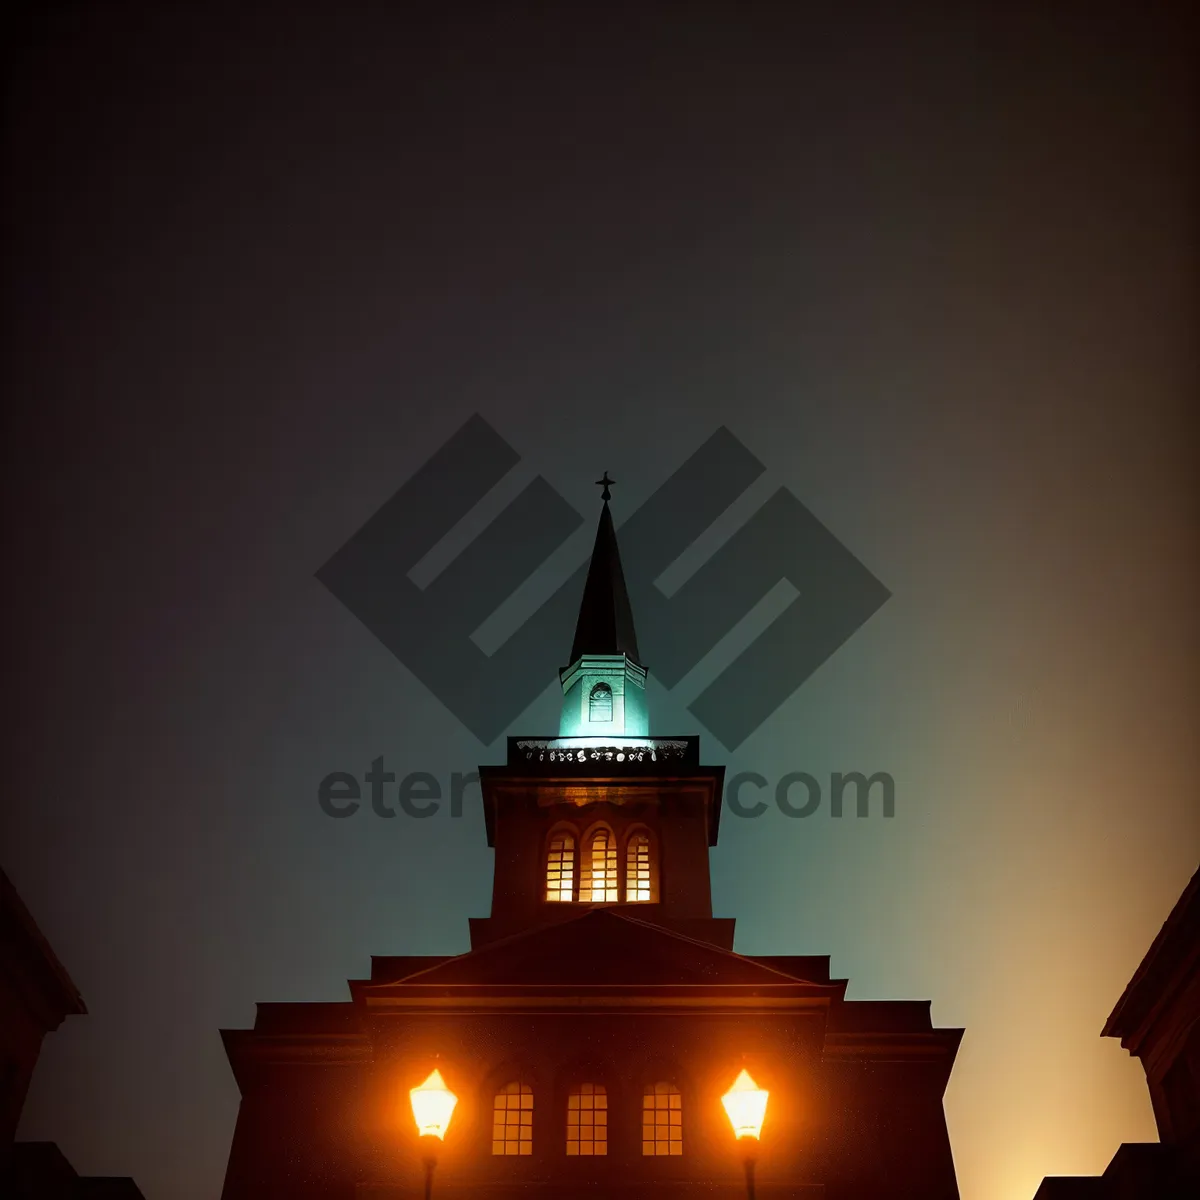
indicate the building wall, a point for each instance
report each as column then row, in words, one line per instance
column 21, row 1034
column 861, row 1130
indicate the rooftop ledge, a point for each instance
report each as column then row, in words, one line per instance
column 605, row 751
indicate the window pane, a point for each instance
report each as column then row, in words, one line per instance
column 560, row 868
column 512, row 1120
column 598, row 876
column 662, row 1119
column 587, row 1119
column 600, row 703
column 641, row 879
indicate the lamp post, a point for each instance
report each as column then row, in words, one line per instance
column 746, row 1104
column 432, row 1106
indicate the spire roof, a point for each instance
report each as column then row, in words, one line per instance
column 605, row 624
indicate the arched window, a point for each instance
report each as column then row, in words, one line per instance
column 560, row 868
column 587, row 1120
column 600, row 703
column 512, row 1120
column 598, row 872
column 641, row 874
column 662, row 1119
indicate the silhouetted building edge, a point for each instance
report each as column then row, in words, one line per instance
column 36, row 996
column 1157, row 1019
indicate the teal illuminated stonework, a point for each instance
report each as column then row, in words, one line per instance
column 625, row 683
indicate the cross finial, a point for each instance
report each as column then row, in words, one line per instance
column 605, row 483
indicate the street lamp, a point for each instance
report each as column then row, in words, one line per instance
column 746, row 1104
column 433, row 1106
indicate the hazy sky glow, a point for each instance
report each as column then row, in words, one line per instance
column 935, row 269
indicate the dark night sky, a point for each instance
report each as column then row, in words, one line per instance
column 933, row 264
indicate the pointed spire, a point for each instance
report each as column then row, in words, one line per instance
column 605, row 624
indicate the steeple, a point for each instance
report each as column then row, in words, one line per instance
column 605, row 624
column 604, row 686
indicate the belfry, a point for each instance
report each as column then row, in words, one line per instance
column 601, row 1037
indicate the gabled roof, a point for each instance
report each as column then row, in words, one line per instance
column 605, row 960
column 605, row 624
column 599, row 947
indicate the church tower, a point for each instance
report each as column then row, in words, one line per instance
column 601, row 1014
column 603, row 814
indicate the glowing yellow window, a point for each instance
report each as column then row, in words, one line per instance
column 598, row 876
column 560, row 868
column 512, row 1120
column 641, row 879
column 587, row 1120
column 662, row 1119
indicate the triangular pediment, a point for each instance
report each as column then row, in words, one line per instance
column 601, row 947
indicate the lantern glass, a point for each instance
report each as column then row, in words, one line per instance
column 432, row 1105
column 746, row 1104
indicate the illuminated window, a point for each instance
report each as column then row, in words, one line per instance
column 512, row 1120
column 600, row 703
column 587, row 1120
column 598, row 873
column 662, row 1119
column 560, row 868
column 641, row 879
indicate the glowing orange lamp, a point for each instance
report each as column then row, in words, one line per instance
column 432, row 1106
column 746, row 1104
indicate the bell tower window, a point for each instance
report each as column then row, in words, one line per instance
column 641, row 875
column 600, row 703
column 560, row 868
column 598, row 875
